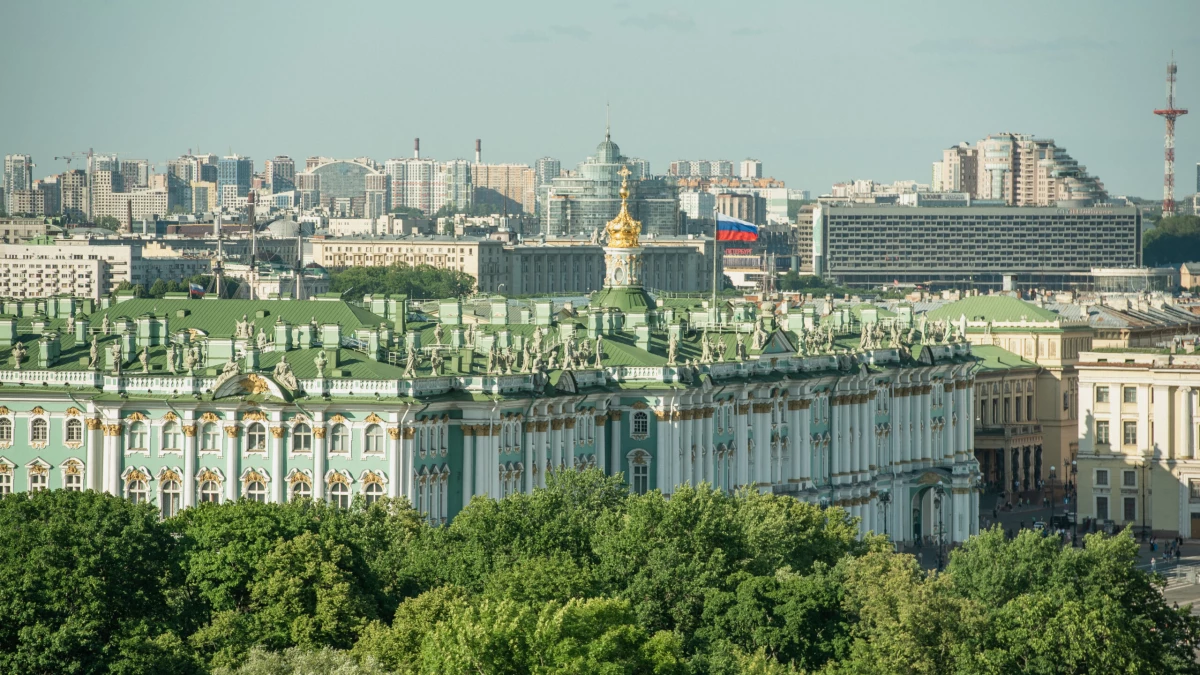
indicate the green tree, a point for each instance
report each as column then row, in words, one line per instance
column 82, row 581
column 158, row 288
column 398, row 647
column 298, row 661
column 1172, row 241
column 108, row 223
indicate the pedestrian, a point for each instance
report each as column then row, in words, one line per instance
column 1153, row 567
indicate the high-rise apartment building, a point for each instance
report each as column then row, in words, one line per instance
column 702, row 168
column 135, row 173
column 235, row 171
column 280, row 173
column 51, row 191
column 18, row 175
column 1019, row 170
column 412, row 182
column 509, row 186
column 73, row 191
column 27, row 203
column 546, row 169
column 139, row 203
column 750, row 168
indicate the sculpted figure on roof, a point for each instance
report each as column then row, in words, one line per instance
column 18, row 355
column 94, row 353
column 320, row 361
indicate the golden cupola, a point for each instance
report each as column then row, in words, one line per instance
column 623, row 231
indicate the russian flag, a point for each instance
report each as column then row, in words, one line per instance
column 196, row 289
column 733, row 229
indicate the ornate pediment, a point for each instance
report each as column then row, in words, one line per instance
column 170, row 417
column 254, row 416
column 209, row 417
column 39, row 410
column 338, row 419
column 374, row 419
column 136, row 417
column 74, row 412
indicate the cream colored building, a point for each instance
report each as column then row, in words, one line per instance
column 143, row 203
column 516, row 182
column 480, row 258
column 1047, row 339
column 1138, row 462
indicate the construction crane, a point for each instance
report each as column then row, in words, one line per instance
column 69, row 158
column 1170, row 113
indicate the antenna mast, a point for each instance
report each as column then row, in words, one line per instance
column 1170, row 113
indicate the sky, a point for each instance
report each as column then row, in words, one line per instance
column 820, row 92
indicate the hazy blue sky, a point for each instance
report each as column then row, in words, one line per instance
column 820, row 92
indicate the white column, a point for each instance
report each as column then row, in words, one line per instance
column 395, row 460
column 233, row 458
column 708, row 424
column 1087, row 417
column 468, row 462
column 409, row 465
column 836, row 439
column 277, row 451
column 866, row 437
column 571, row 435
column 542, row 450
column 1186, row 425
column 615, row 440
column 320, row 456
column 109, row 464
column 803, row 435
column 95, row 454
column 1163, row 432
column 663, row 456
column 494, row 460
column 686, row 442
column 556, row 443
column 600, row 447
column 530, row 457
column 189, row 471
column 762, row 443
column 742, row 441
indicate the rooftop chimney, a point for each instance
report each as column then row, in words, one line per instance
column 416, row 148
column 478, row 148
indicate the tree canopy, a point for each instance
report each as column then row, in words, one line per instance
column 1172, row 241
column 422, row 281
column 579, row 577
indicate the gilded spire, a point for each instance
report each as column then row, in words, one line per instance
column 623, row 230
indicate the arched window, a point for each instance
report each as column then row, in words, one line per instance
column 210, row 491
column 135, row 491
column 256, row 491
column 639, row 465
column 40, row 431
column 74, row 431
column 301, row 438
column 339, row 494
column 374, row 438
column 256, row 437
column 138, row 438
column 301, row 490
column 372, row 492
column 340, row 439
column 172, row 437
column 5, row 480
column 641, row 423
column 169, row 504
column 210, row 438
column 6, row 428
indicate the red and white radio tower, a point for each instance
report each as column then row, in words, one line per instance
column 1170, row 113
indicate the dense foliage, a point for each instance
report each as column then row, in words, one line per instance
column 1172, row 241
column 578, row 578
column 422, row 281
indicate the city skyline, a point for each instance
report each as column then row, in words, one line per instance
column 813, row 109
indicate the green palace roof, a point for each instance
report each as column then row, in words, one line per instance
column 993, row 308
column 218, row 318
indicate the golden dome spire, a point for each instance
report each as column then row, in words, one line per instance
column 623, row 230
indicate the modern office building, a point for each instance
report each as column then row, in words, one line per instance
column 280, row 173
column 871, row 245
column 582, row 203
column 347, row 188
column 445, row 410
column 1019, row 169
column 235, row 171
column 18, row 175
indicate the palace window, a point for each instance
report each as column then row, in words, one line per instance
column 1102, row 477
column 172, row 437
column 170, row 498
column 210, row 491
column 138, row 438
column 74, row 431
column 1130, row 429
column 5, row 484
column 1130, row 509
column 301, row 490
column 1102, row 432
column 301, row 438
column 372, row 492
column 639, row 471
column 641, row 424
column 210, row 438
column 39, row 431
column 256, row 438
column 256, row 491
column 340, row 439
column 73, row 482
column 1101, row 508
column 6, row 427
column 135, row 491
column 374, row 439
column 1129, row 479
column 1101, row 394
column 339, row 495
column 1130, row 394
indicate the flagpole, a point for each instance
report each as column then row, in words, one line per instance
column 714, row 279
